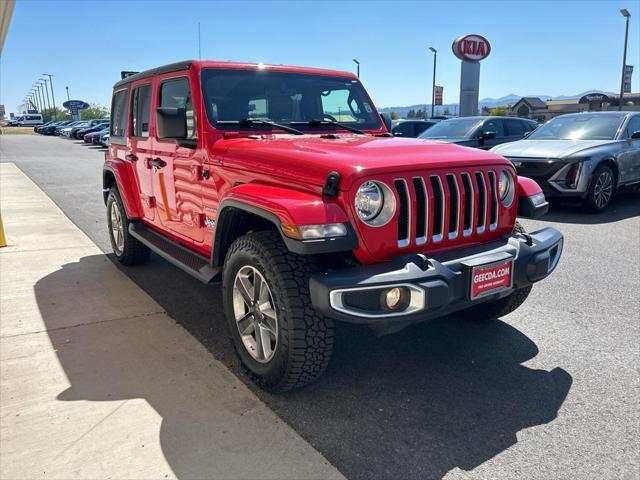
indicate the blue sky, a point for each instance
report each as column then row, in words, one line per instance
column 541, row 47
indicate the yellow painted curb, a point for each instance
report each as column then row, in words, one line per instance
column 3, row 239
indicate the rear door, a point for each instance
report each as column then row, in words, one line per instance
column 141, row 146
column 514, row 129
column 177, row 169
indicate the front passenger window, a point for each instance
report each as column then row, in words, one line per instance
column 633, row 126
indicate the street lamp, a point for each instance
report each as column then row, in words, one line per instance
column 433, row 86
column 55, row 114
column 33, row 91
column 625, row 13
column 46, row 91
column 357, row 67
column 39, row 94
column 43, row 82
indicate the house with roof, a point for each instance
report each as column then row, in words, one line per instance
column 528, row 107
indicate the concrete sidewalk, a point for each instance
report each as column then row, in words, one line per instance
column 96, row 381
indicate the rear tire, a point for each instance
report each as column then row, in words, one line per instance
column 601, row 190
column 300, row 341
column 503, row 306
column 127, row 249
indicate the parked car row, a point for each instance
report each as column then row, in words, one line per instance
column 93, row 132
column 584, row 156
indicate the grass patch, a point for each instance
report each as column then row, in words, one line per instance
column 17, row 131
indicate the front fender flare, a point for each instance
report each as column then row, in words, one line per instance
column 279, row 206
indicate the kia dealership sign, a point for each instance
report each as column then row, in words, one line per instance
column 471, row 48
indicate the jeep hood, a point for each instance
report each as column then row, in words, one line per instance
column 546, row 148
column 310, row 158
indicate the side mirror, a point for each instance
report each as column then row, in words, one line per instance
column 488, row 135
column 635, row 135
column 171, row 122
column 526, row 134
column 386, row 119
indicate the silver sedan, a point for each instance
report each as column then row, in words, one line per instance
column 587, row 156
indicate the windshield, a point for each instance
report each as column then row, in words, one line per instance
column 579, row 127
column 453, row 128
column 282, row 97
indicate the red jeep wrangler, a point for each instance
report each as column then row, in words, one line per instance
column 284, row 183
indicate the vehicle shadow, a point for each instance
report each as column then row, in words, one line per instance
column 440, row 395
column 625, row 204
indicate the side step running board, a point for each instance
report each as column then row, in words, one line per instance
column 183, row 258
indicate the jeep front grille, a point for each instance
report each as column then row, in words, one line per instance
column 436, row 208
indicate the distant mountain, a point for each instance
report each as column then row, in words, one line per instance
column 485, row 102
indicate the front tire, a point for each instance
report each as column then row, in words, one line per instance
column 127, row 249
column 601, row 190
column 282, row 341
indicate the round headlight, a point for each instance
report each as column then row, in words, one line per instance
column 369, row 201
column 375, row 203
column 506, row 188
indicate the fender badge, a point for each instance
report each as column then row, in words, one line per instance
column 209, row 223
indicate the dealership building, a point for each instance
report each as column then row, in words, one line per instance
column 541, row 110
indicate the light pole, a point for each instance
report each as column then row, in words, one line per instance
column 67, row 93
column 37, row 85
column 433, row 86
column 33, row 91
column 46, row 91
column 41, row 90
column 357, row 67
column 55, row 114
column 625, row 13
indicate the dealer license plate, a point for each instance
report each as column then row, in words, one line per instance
column 491, row 278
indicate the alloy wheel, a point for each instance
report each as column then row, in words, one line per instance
column 255, row 314
column 117, row 227
column 603, row 189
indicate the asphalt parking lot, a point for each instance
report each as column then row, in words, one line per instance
column 550, row 391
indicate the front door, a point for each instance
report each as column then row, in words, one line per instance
column 492, row 132
column 177, row 169
column 629, row 158
column 141, row 150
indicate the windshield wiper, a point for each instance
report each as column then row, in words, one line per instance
column 318, row 123
column 250, row 122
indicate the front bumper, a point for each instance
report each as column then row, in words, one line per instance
column 439, row 285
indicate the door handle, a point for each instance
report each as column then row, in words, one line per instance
column 157, row 162
column 131, row 157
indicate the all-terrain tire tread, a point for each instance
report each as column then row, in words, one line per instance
column 134, row 252
column 310, row 338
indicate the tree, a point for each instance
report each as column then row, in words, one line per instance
column 499, row 111
column 411, row 114
column 394, row 116
column 446, row 111
column 420, row 114
column 55, row 114
column 94, row 111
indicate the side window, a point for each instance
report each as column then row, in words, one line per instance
column 494, row 126
column 403, row 129
column 141, row 111
column 335, row 103
column 514, row 128
column 258, row 108
column 177, row 94
column 119, row 113
column 633, row 126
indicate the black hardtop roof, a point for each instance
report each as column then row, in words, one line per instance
column 171, row 67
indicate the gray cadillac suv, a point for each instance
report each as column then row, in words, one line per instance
column 587, row 156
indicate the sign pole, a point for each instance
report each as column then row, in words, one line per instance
column 627, row 15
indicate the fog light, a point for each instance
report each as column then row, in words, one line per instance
column 393, row 297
